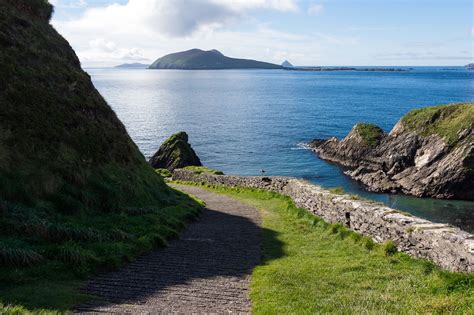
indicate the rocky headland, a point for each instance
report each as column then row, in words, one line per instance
column 428, row 153
column 175, row 152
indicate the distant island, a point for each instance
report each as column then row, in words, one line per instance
column 133, row 65
column 197, row 59
column 344, row 69
column 470, row 66
column 286, row 64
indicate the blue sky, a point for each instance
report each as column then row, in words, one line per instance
column 325, row 32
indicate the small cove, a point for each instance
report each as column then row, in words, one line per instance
column 243, row 121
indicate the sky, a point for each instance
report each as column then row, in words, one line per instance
column 306, row 33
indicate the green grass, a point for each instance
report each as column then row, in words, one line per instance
column 337, row 190
column 45, row 256
column 370, row 133
column 163, row 172
column 314, row 267
column 444, row 120
column 203, row 169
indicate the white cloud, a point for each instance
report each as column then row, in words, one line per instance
column 147, row 29
column 69, row 3
column 102, row 44
column 315, row 9
column 472, row 31
column 177, row 18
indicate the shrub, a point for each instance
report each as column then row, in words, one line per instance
column 370, row 133
column 368, row 243
column 337, row 190
column 389, row 248
column 163, row 172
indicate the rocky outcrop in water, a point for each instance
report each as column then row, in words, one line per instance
column 429, row 153
column 175, row 153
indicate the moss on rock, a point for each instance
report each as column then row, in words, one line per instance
column 175, row 153
column 370, row 133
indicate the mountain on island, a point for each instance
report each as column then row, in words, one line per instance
column 135, row 65
column 286, row 64
column 197, row 59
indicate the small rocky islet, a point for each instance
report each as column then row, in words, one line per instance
column 175, row 152
column 428, row 153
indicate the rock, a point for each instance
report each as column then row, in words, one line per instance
column 428, row 153
column 175, row 153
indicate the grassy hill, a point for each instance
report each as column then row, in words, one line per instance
column 76, row 195
column 447, row 121
column 196, row 59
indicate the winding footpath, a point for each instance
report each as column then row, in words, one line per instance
column 207, row 270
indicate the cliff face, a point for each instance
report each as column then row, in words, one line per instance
column 175, row 153
column 60, row 143
column 429, row 153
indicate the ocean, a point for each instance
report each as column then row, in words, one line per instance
column 245, row 121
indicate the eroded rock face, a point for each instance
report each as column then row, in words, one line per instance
column 406, row 161
column 175, row 153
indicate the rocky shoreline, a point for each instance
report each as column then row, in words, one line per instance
column 420, row 156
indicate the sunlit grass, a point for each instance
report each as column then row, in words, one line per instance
column 325, row 268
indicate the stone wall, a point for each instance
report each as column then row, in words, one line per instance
column 445, row 245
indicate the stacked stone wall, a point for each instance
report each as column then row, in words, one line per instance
column 443, row 244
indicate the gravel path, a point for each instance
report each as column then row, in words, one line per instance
column 206, row 271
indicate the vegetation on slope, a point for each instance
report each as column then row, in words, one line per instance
column 370, row 133
column 76, row 195
column 44, row 256
column 202, row 169
column 445, row 121
column 326, row 268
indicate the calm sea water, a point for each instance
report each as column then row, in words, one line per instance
column 242, row 121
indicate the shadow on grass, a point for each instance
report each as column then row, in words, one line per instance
column 218, row 248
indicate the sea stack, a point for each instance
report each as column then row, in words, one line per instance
column 429, row 153
column 175, row 153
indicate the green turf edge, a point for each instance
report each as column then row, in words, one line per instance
column 53, row 286
column 326, row 268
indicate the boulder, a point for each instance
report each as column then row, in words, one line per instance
column 175, row 153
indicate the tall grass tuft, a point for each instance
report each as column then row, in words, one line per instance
column 74, row 255
column 17, row 257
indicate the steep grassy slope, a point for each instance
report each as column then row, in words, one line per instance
column 60, row 143
column 76, row 195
